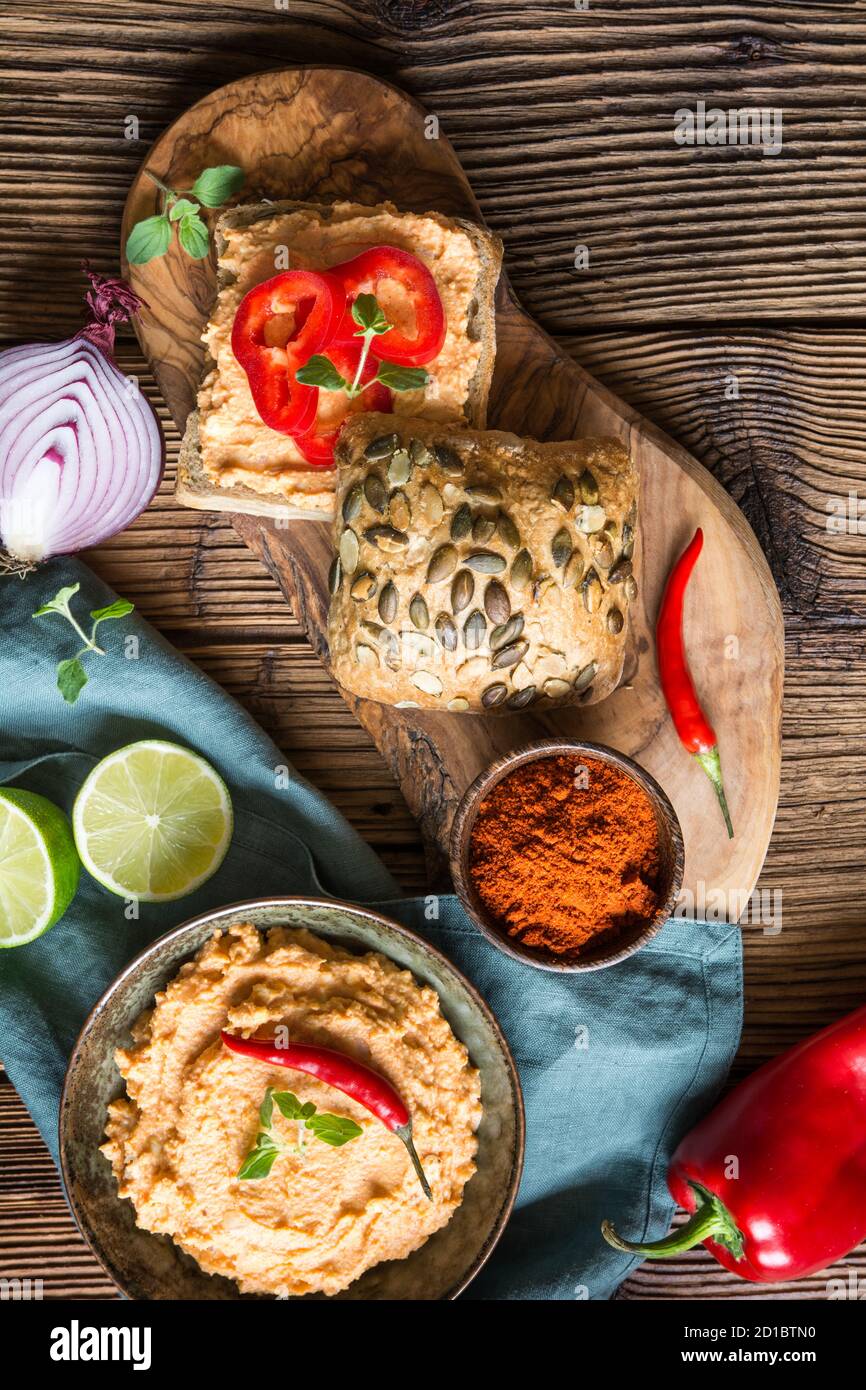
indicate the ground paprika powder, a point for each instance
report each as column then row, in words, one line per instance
column 564, row 854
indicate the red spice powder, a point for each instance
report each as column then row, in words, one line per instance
column 564, row 853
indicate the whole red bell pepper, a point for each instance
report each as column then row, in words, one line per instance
column 775, row 1175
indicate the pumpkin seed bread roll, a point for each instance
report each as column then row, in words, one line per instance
column 475, row 571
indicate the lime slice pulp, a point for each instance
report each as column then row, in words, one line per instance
column 39, row 866
column 152, row 821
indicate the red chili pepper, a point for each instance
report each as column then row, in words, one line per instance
column 363, row 274
column 776, row 1174
column 317, row 446
column 315, row 303
column 353, row 1078
column 694, row 729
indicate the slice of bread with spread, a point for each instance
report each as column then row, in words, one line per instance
column 230, row 460
column 476, row 571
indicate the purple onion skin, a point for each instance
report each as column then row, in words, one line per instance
column 103, row 420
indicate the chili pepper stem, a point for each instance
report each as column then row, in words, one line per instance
column 711, row 1220
column 712, row 765
column 404, row 1132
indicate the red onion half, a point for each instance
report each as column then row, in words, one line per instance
column 81, row 450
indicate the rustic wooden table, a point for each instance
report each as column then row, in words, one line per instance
column 705, row 264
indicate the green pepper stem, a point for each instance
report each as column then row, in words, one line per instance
column 712, row 765
column 711, row 1220
column 404, row 1132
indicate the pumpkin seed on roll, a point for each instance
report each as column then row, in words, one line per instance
column 476, row 571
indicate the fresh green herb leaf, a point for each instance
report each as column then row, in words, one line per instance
column 152, row 236
column 260, row 1160
column 148, row 239
column 213, row 186
column 320, row 371
column 71, row 679
column 266, row 1109
column 182, row 208
column 193, row 235
column 60, row 602
column 118, row 609
column 288, row 1104
column 368, row 315
column 334, row 1129
column 71, row 676
column 402, row 378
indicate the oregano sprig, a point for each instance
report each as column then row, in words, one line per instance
column 71, row 675
column 335, row 1130
column 320, row 370
column 182, row 208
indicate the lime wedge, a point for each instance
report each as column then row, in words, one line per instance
column 152, row 821
column 39, row 867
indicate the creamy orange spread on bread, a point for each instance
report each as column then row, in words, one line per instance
column 323, row 1215
column 236, row 445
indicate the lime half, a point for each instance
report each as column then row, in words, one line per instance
column 39, row 867
column 152, row 821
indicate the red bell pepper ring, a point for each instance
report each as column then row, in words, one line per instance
column 317, row 445
column 776, row 1174
column 317, row 302
column 345, row 1074
column 363, row 274
column 695, row 731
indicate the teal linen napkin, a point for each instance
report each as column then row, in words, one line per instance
column 615, row 1065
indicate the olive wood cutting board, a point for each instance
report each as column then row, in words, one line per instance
column 325, row 134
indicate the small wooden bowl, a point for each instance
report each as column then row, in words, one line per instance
column 670, row 841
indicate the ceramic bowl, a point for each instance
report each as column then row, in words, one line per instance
column 147, row 1266
column 670, row 840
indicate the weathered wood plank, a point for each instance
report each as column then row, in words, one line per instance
column 777, row 415
column 38, row 1238
column 563, row 119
